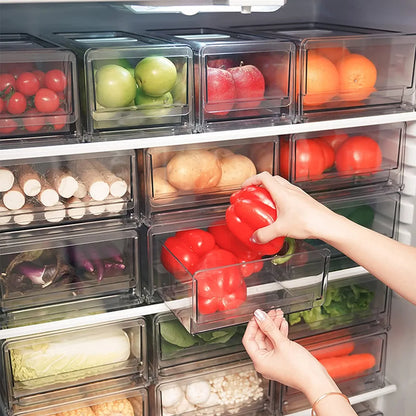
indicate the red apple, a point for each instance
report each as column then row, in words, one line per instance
column 249, row 85
column 221, row 91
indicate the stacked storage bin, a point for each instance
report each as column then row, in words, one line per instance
column 69, row 247
column 357, row 172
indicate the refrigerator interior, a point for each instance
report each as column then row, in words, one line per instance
column 37, row 18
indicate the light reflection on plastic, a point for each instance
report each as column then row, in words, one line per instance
column 193, row 10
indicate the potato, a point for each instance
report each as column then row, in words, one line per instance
column 160, row 157
column 193, row 170
column 262, row 155
column 161, row 187
column 222, row 152
column 235, row 170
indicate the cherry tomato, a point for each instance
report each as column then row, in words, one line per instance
column 7, row 125
column 2, row 105
column 7, row 83
column 18, row 68
column 33, row 120
column 58, row 120
column 27, row 83
column 17, row 103
column 40, row 75
column 55, row 80
column 46, row 100
column 358, row 154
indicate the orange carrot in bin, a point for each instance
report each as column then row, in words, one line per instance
column 348, row 365
column 334, row 350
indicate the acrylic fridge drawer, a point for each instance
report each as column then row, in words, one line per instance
column 57, row 190
column 39, row 89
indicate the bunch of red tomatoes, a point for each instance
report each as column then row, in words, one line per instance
column 32, row 99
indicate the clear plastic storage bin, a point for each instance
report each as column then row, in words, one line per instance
column 176, row 351
column 199, row 175
column 234, row 388
column 58, row 190
column 344, row 158
column 124, row 396
column 355, row 361
column 240, row 80
column 51, row 363
column 359, row 300
column 74, row 263
column 132, row 84
column 343, row 69
column 39, row 90
column 376, row 208
column 220, row 290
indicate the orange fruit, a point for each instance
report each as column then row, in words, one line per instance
column 333, row 53
column 321, row 80
column 357, row 77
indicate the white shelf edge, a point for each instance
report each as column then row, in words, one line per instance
column 31, row 152
column 123, row 314
column 359, row 398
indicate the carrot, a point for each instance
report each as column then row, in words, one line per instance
column 348, row 365
column 334, row 350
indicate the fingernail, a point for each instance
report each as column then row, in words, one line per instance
column 260, row 315
column 253, row 239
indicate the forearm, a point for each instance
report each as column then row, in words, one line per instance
column 391, row 262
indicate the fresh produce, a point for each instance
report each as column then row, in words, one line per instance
column 348, row 366
column 194, row 170
column 153, row 106
column 340, row 303
column 220, row 284
column 252, row 208
column 235, row 169
column 115, row 87
column 155, row 75
column 358, row 155
column 221, row 91
column 121, row 407
column 6, row 179
column 69, row 356
column 336, row 350
column 249, row 86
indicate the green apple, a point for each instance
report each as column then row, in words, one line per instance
column 115, row 87
column 153, row 106
column 155, row 75
column 180, row 89
column 99, row 63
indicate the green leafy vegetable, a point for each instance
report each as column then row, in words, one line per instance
column 174, row 333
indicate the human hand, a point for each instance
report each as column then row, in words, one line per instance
column 280, row 359
column 299, row 215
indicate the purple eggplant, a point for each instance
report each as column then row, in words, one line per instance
column 113, row 269
column 112, row 253
column 94, row 256
column 78, row 257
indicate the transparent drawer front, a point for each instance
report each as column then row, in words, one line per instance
column 341, row 69
column 176, row 350
column 235, row 388
column 191, row 176
column 366, row 409
column 55, row 361
column 348, row 302
column 373, row 208
column 218, row 289
column 39, row 90
column 336, row 159
column 48, row 266
column 240, row 80
column 132, row 83
column 66, row 189
column 124, row 396
column 355, row 362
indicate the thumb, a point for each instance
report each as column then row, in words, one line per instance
column 268, row 327
column 266, row 234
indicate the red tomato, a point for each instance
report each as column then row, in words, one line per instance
column 27, row 83
column 358, row 154
column 7, row 125
column 58, row 120
column 7, row 83
column 17, row 103
column 55, row 80
column 335, row 140
column 328, row 153
column 18, row 68
column 2, row 105
column 33, row 120
column 284, row 158
column 46, row 100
